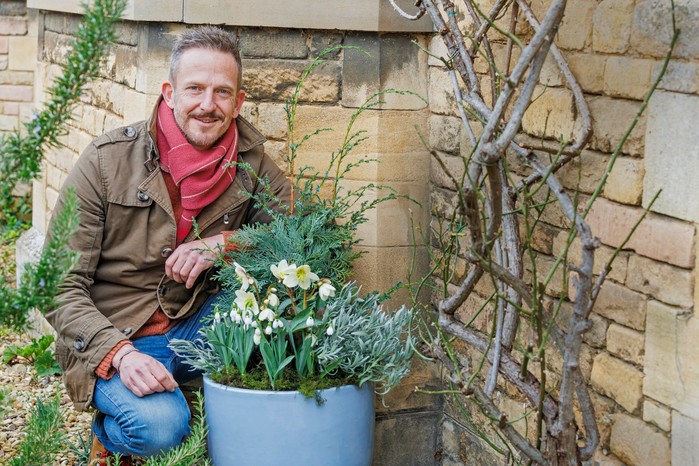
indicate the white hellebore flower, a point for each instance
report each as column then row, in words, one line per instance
column 302, row 276
column 282, row 269
column 329, row 330
column 257, row 338
column 266, row 314
column 246, row 301
column 326, row 290
column 242, row 276
column 310, row 321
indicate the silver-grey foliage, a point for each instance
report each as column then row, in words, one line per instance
column 367, row 343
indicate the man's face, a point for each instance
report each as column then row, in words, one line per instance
column 204, row 95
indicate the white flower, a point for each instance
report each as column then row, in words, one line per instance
column 329, row 331
column 235, row 316
column 246, row 301
column 242, row 276
column 309, row 321
column 301, row 276
column 217, row 317
column 277, row 323
column 273, row 300
column 282, row 269
column 326, row 290
column 247, row 318
column 266, row 314
column 268, row 330
column 257, row 338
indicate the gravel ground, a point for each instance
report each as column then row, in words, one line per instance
column 25, row 388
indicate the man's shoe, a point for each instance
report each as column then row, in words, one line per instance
column 99, row 455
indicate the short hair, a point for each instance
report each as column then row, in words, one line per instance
column 204, row 37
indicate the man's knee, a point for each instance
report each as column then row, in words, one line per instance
column 159, row 430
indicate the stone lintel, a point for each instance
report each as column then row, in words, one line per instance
column 357, row 15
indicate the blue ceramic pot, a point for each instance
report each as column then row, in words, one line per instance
column 267, row 428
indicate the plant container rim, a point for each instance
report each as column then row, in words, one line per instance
column 284, row 392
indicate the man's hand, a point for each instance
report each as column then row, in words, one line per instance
column 190, row 259
column 141, row 373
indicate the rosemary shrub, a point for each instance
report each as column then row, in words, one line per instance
column 44, row 437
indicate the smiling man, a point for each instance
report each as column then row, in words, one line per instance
column 144, row 274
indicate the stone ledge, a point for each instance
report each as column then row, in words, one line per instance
column 157, row 10
column 358, row 15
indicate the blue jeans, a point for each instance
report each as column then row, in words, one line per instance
column 157, row 422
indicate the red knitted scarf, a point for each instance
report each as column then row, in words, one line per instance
column 201, row 176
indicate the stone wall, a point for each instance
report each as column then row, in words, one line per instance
column 638, row 355
column 17, row 63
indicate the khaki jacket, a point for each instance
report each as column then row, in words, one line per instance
column 127, row 230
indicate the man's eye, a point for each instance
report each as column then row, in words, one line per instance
column 224, row 92
column 193, row 88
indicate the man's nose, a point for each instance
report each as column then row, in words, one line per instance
column 207, row 101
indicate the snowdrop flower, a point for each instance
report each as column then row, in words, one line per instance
column 242, row 276
column 257, row 338
column 282, row 269
column 277, row 323
column 309, row 321
column 326, row 290
column 268, row 330
column 217, row 317
column 247, row 318
column 301, row 276
column 329, row 330
column 246, row 300
column 235, row 316
column 273, row 300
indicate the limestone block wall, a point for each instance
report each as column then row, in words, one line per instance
column 17, row 63
column 638, row 356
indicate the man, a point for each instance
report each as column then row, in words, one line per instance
column 143, row 277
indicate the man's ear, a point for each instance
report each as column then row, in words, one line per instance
column 239, row 101
column 168, row 92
